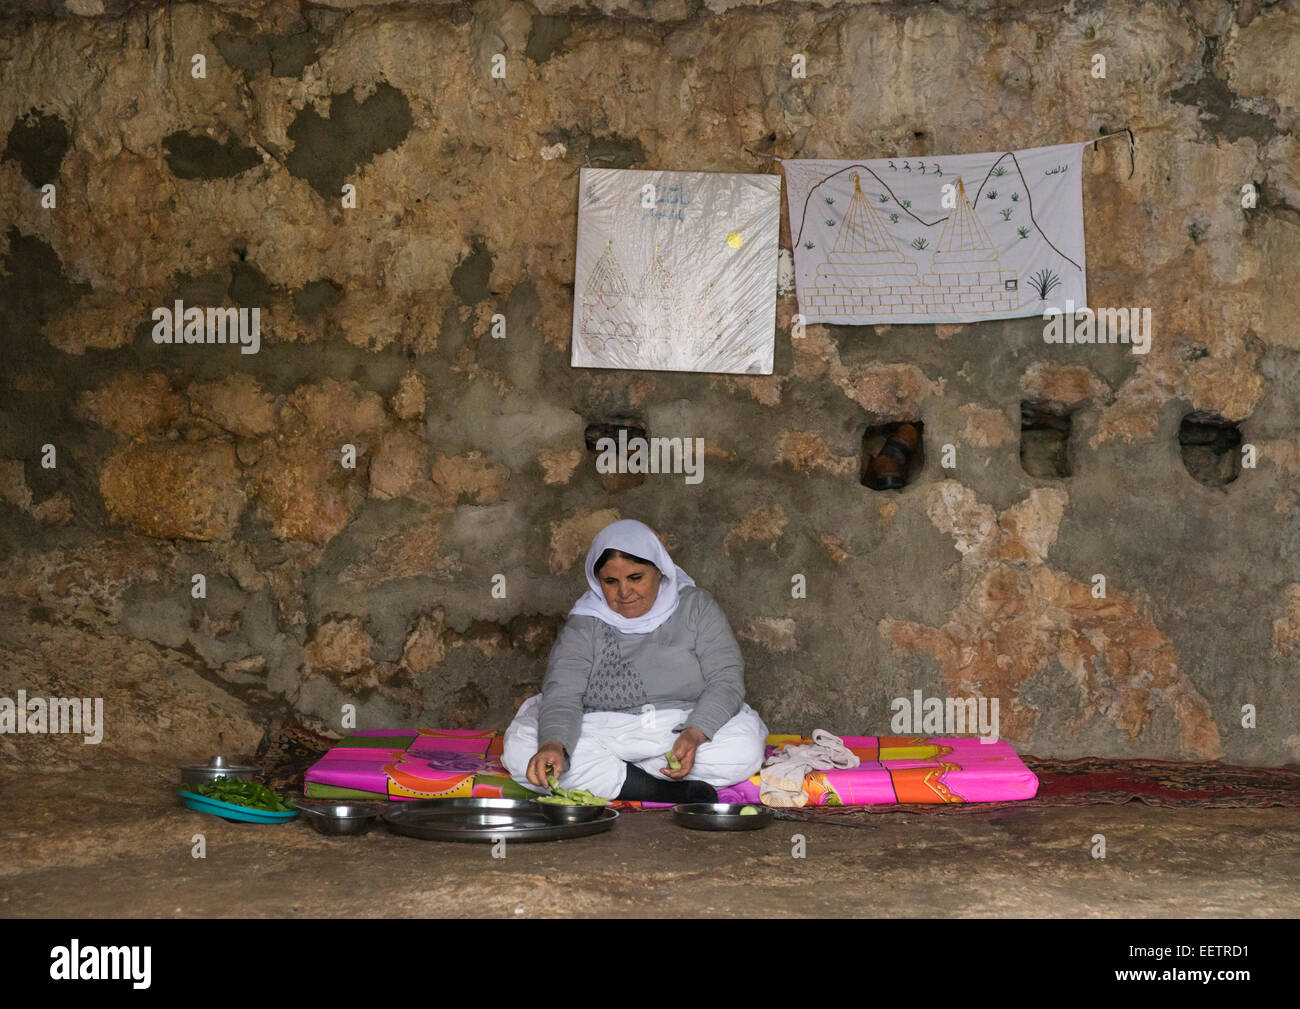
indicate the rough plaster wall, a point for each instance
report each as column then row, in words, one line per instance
column 372, row 585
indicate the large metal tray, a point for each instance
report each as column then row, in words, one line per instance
column 486, row 820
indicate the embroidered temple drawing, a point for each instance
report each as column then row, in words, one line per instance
column 865, row 273
column 652, row 321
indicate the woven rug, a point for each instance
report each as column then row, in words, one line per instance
column 284, row 757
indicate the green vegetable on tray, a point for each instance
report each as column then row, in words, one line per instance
column 238, row 792
column 570, row 796
column 673, row 762
column 749, row 811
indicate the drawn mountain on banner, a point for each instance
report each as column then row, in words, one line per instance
column 802, row 176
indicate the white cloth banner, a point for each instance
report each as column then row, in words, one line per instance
column 676, row 271
column 963, row 238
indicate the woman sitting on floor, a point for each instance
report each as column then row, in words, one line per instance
column 646, row 663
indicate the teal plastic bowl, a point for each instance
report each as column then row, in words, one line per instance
column 229, row 811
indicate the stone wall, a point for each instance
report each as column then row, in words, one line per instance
column 327, row 585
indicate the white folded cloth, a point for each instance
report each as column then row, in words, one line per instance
column 781, row 778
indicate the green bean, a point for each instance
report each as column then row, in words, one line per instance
column 570, row 796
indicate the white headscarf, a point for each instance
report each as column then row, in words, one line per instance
column 636, row 538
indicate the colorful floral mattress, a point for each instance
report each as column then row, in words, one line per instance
column 454, row 763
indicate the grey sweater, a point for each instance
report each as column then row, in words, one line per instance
column 691, row 660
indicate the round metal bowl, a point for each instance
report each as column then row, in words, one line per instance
column 339, row 818
column 721, row 816
column 561, row 813
column 217, row 767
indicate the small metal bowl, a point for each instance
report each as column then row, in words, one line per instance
column 217, row 767
column 559, row 813
column 721, row 816
column 338, row 819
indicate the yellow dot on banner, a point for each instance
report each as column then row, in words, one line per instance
column 735, row 239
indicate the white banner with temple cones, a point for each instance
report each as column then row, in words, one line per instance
column 676, row 271
column 961, row 238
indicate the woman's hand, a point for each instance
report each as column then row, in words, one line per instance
column 549, row 759
column 684, row 750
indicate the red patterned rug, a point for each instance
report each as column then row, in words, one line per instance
column 1204, row 784
column 286, row 755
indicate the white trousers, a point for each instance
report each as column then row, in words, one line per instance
column 609, row 738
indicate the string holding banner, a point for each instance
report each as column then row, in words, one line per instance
column 1132, row 146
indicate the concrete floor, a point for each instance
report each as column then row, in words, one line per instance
column 120, row 845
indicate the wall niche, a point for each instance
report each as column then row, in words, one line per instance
column 1211, row 448
column 893, row 454
column 1045, row 440
column 610, row 428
